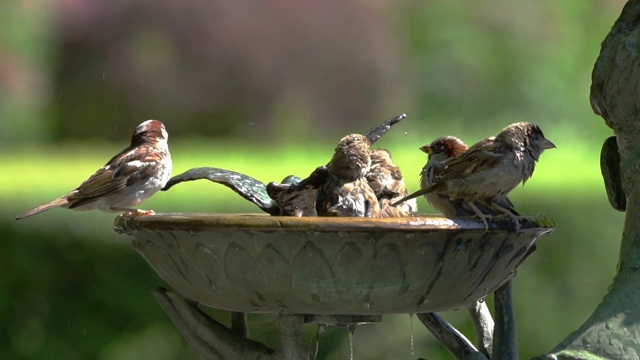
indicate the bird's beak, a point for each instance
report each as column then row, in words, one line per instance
column 426, row 149
column 547, row 144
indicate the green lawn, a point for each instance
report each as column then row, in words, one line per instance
column 46, row 173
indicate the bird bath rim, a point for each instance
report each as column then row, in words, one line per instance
column 329, row 265
column 127, row 223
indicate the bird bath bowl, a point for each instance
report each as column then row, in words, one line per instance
column 335, row 266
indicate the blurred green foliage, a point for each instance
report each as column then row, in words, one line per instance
column 267, row 89
column 275, row 72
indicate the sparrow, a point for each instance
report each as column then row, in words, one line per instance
column 338, row 188
column 126, row 180
column 346, row 191
column 297, row 197
column 491, row 168
column 440, row 150
column 386, row 181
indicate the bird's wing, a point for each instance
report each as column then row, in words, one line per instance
column 300, row 195
column 97, row 186
column 121, row 172
column 482, row 156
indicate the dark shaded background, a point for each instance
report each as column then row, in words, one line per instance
column 259, row 86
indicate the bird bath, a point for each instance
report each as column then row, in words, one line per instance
column 327, row 267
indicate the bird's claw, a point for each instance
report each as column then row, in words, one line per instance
column 485, row 222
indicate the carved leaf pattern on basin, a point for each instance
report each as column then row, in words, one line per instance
column 325, row 272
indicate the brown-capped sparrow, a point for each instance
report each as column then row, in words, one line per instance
column 386, row 181
column 126, row 180
column 491, row 168
column 440, row 150
column 346, row 191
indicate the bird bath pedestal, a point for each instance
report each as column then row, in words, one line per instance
column 324, row 270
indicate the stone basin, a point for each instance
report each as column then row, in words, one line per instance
column 326, row 265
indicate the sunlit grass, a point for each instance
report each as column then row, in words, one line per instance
column 41, row 174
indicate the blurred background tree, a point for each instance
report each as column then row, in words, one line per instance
column 267, row 88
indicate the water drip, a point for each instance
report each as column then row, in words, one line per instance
column 352, row 331
column 411, row 322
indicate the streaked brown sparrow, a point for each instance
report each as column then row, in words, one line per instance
column 339, row 188
column 491, row 168
column 346, row 191
column 126, row 180
column 295, row 196
column 386, row 181
column 440, row 150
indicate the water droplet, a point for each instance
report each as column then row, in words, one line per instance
column 411, row 322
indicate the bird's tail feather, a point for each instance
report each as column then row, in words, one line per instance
column 424, row 191
column 44, row 207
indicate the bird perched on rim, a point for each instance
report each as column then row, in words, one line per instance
column 316, row 195
column 491, row 168
column 346, row 191
column 386, row 181
column 440, row 150
column 126, row 180
column 295, row 196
